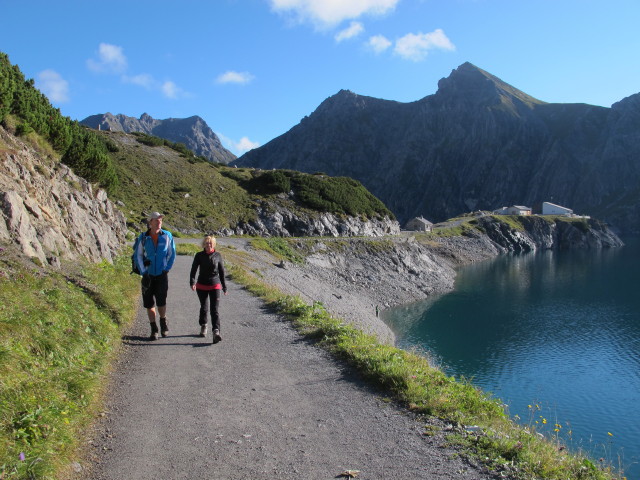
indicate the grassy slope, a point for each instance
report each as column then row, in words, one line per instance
column 191, row 195
column 198, row 196
column 59, row 332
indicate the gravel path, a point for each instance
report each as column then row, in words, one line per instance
column 261, row 404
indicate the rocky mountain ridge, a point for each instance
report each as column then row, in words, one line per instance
column 476, row 144
column 192, row 131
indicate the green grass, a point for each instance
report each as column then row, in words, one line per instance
column 512, row 221
column 189, row 249
column 409, row 378
column 58, row 334
column 455, row 227
column 279, row 248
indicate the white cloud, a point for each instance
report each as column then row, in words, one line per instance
column 379, row 43
column 416, row 46
column 328, row 13
column 110, row 60
column 234, row 77
column 143, row 80
column 244, row 145
column 171, row 90
column 53, row 86
column 351, row 31
column 168, row 88
column 240, row 147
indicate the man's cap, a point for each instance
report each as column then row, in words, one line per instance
column 155, row 215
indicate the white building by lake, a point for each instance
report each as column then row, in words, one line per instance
column 553, row 209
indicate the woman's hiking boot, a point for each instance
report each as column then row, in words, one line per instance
column 203, row 330
column 154, row 331
column 163, row 326
column 216, row 336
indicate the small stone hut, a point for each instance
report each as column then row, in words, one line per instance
column 419, row 224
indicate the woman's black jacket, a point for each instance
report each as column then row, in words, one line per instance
column 211, row 269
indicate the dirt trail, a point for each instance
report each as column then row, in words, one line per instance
column 262, row 404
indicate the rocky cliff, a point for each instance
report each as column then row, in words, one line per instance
column 49, row 212
column 538, row 233
column 476, row 144
column 193, row 132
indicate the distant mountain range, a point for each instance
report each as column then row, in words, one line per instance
column 193, row 132
column 477, row 143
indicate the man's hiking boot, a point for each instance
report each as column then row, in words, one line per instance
column 154, row 331
column 203, row 330
column 163, row 327
column 216, row 336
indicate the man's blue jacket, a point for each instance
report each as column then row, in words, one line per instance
column 159, row 258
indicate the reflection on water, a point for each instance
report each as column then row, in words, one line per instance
column 561, row 329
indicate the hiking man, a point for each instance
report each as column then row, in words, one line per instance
column 154, row 255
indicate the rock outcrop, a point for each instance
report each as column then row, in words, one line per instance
column 476, row 144
column 193, row 132
column 50, row 212
column 281, row 222
column 541, row 234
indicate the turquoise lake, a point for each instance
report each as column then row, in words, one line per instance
column 560, row 330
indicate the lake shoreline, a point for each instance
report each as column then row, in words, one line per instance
column 353, row 277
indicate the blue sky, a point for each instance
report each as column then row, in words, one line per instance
column 254, row 68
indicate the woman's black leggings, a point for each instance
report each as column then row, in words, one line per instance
column 209, row 298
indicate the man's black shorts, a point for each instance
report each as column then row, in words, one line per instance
column 155, row 287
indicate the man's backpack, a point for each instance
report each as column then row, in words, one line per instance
column 134, row 264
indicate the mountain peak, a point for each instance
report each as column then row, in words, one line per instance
column 472, row 83
column 193, row 132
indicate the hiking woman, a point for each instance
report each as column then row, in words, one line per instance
column 208, row 285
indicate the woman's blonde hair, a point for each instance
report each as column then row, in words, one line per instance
column 207, row 238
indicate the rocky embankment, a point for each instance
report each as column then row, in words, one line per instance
column 350, row 277
column 49, row 212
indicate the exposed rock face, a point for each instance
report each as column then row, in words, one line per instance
column 476, row 144
column 281, row 222
column 50, row 212
column 539, row 234
column 193, row 132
